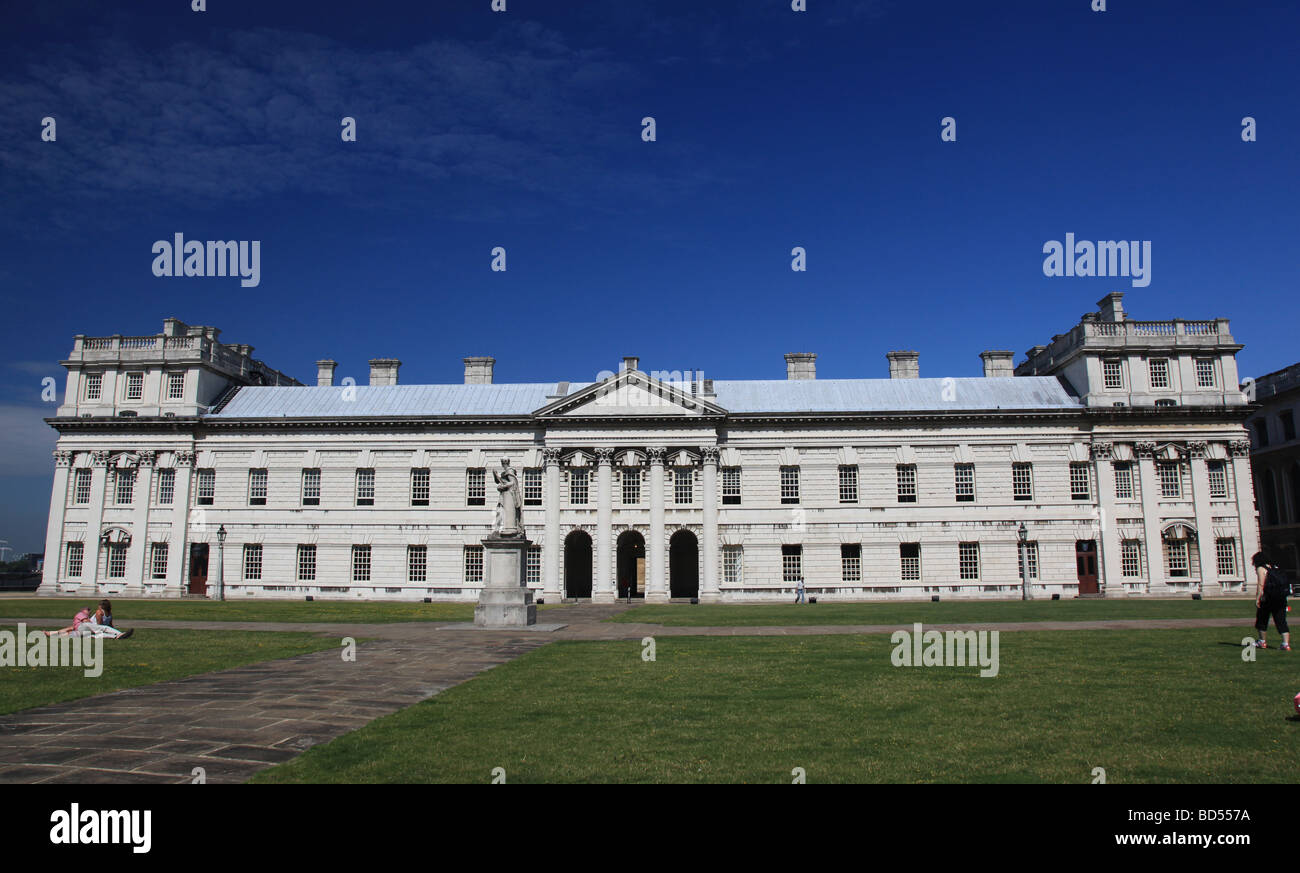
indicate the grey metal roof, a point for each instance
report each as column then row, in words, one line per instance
column 748, row 396
column 893, row 395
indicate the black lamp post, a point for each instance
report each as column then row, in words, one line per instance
column 1023, row 534
column 221, row 563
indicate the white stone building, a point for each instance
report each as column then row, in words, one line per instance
column 1120, row 449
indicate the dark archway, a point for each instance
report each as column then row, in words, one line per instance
column 631, row 564
column 683, row 565
column 577, row 564
column 1295, row 493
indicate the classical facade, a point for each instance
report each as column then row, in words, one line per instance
column 1112, row 462
column 1275, row 456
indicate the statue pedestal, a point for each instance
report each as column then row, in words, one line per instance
column 505, row 600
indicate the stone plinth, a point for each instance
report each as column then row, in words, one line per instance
column 505, row 600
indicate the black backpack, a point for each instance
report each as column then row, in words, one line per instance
column 1276, row 584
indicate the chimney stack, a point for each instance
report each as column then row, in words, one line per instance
column 478, row 371
column 631, row 362
column 383, row 371
column 801, row 365
column 1112, row 306
column 904, row 364
column 998, row 364
column 325, row 373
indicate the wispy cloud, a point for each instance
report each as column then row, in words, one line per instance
column 26, row 441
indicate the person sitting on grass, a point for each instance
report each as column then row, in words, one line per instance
column 97, row 623
column 78, row 620
column 1271, row 590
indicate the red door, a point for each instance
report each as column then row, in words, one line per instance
column 198, row 568
column 1085, row 556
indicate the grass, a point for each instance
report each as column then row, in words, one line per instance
column 125, row 611
column 1148, row 706
column 153, row 655
column 752, row 615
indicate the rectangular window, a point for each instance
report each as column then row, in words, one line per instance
column 1171, row 480
column 158, row 561
column 175, row 386
column 1204, row 373
column 1022, row 481
column 1123, row 480
column 473, row 565
column 1131, row 559
column 791, row 563
column 732, row 566
column 631, row 486
column 578, row 486
column 533, row 487
column 909, row 561
column 1159, row 370
column 1080, row 481
column 476, row 487
column 1176, row 562
column 252, row 562
column 125, row 487
column 306, row 563
column 964, row 476
column 683, row 486
column 906, row 483
column 789, row 484
column 117, row 561
column 1218, row 473
column 94, row 386
column 968, row 560
column 81, row 488
column 1288, row 425
column 1113, row 374
column 849, row 484
column 166, row 486
column 851, row 562
column 1261, row 432
column 134, row 386
column 1225, row 554
column 417, row 563
column 365, row 487
column 533, row 567
column 311, row 487
column 1027, row 561
column 730, row 486
column 361, row 563
column 257, row 487
column 420, row 486
column 206, row 488
column 76, row 554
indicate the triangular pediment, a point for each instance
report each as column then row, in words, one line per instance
column 631, row 393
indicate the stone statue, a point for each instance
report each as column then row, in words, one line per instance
column 509, row 507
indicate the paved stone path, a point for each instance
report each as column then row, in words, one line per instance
column 235, row 722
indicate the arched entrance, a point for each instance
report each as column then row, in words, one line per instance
column 577, row 564
column 631, row 564
column 683, row 565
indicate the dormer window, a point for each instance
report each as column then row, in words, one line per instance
column 175, row 386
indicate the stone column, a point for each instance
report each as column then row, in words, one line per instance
column 1196, row 453
column 1109, row 561
column 1244, row 491
column 603, row 590
column 553, row 550
column 94, row 521
column 54, row 548
column 178, row 572
column 656, row 584
column 1153, row 545
column 709, row 592
column 139, row 567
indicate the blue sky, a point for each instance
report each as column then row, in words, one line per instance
column 522, row 129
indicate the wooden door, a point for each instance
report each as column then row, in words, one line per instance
column 1085, row 557
column 198, row 568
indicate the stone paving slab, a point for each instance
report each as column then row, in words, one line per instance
column 235, row 722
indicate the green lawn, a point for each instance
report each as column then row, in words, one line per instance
column 152, row 655
column 1148, row 706
column 125, row 611
column 902, row 614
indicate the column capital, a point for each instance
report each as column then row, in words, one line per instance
column 709, row 455
column 551, row 456
column 1198, row 449
column 99, row 458
column 1239, row 448
column 64, row 458
column 604, row 457
column 1102, row 450
column 147, row 459
column 1145, row 450
column 185, row 459
column 656, row 454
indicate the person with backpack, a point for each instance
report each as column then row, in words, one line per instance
column 1271, row 590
